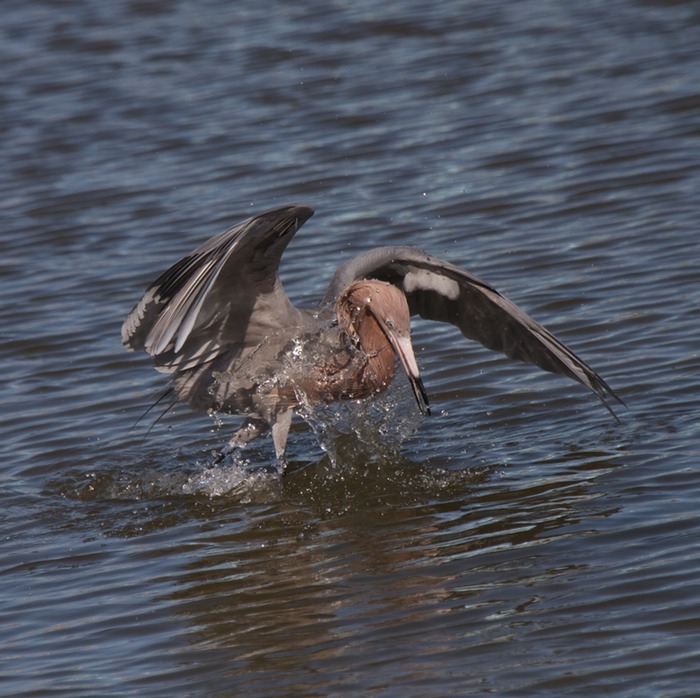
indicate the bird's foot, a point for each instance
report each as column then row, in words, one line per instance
column 250, row 430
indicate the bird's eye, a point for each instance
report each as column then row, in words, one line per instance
column 389, row 323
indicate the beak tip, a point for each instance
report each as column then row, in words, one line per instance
column 421, row 396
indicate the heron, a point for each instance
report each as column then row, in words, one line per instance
column 221, row 325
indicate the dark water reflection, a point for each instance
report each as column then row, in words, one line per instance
column 309, row 576
column 518, row 542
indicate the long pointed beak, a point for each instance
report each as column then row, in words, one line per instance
column 404, row 350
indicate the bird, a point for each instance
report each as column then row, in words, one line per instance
column 220, row 323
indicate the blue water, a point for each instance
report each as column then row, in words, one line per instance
column 518, row 542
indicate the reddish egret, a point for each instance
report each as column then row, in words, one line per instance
column 221, row 324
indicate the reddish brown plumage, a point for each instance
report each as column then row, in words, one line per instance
column 363, row 364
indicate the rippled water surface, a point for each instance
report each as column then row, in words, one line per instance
column 520, row 541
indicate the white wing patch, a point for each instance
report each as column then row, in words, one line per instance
column 428, row 281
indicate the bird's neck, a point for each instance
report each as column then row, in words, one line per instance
column 347, row 366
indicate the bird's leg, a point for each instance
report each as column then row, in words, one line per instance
column 280, row 432
column 251, row 429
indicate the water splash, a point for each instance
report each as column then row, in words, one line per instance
column 378, row 425
column 234, row 478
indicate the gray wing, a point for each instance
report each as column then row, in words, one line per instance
column 203, row 305
column 438, row 290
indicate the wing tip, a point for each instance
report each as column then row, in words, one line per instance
column 605, row 393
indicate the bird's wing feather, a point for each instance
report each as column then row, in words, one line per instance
column 438, row 290
column 202, row 305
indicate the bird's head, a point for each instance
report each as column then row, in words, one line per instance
column 375, row 315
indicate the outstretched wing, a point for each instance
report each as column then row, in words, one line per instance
column 438, row 290
column 203, row 305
